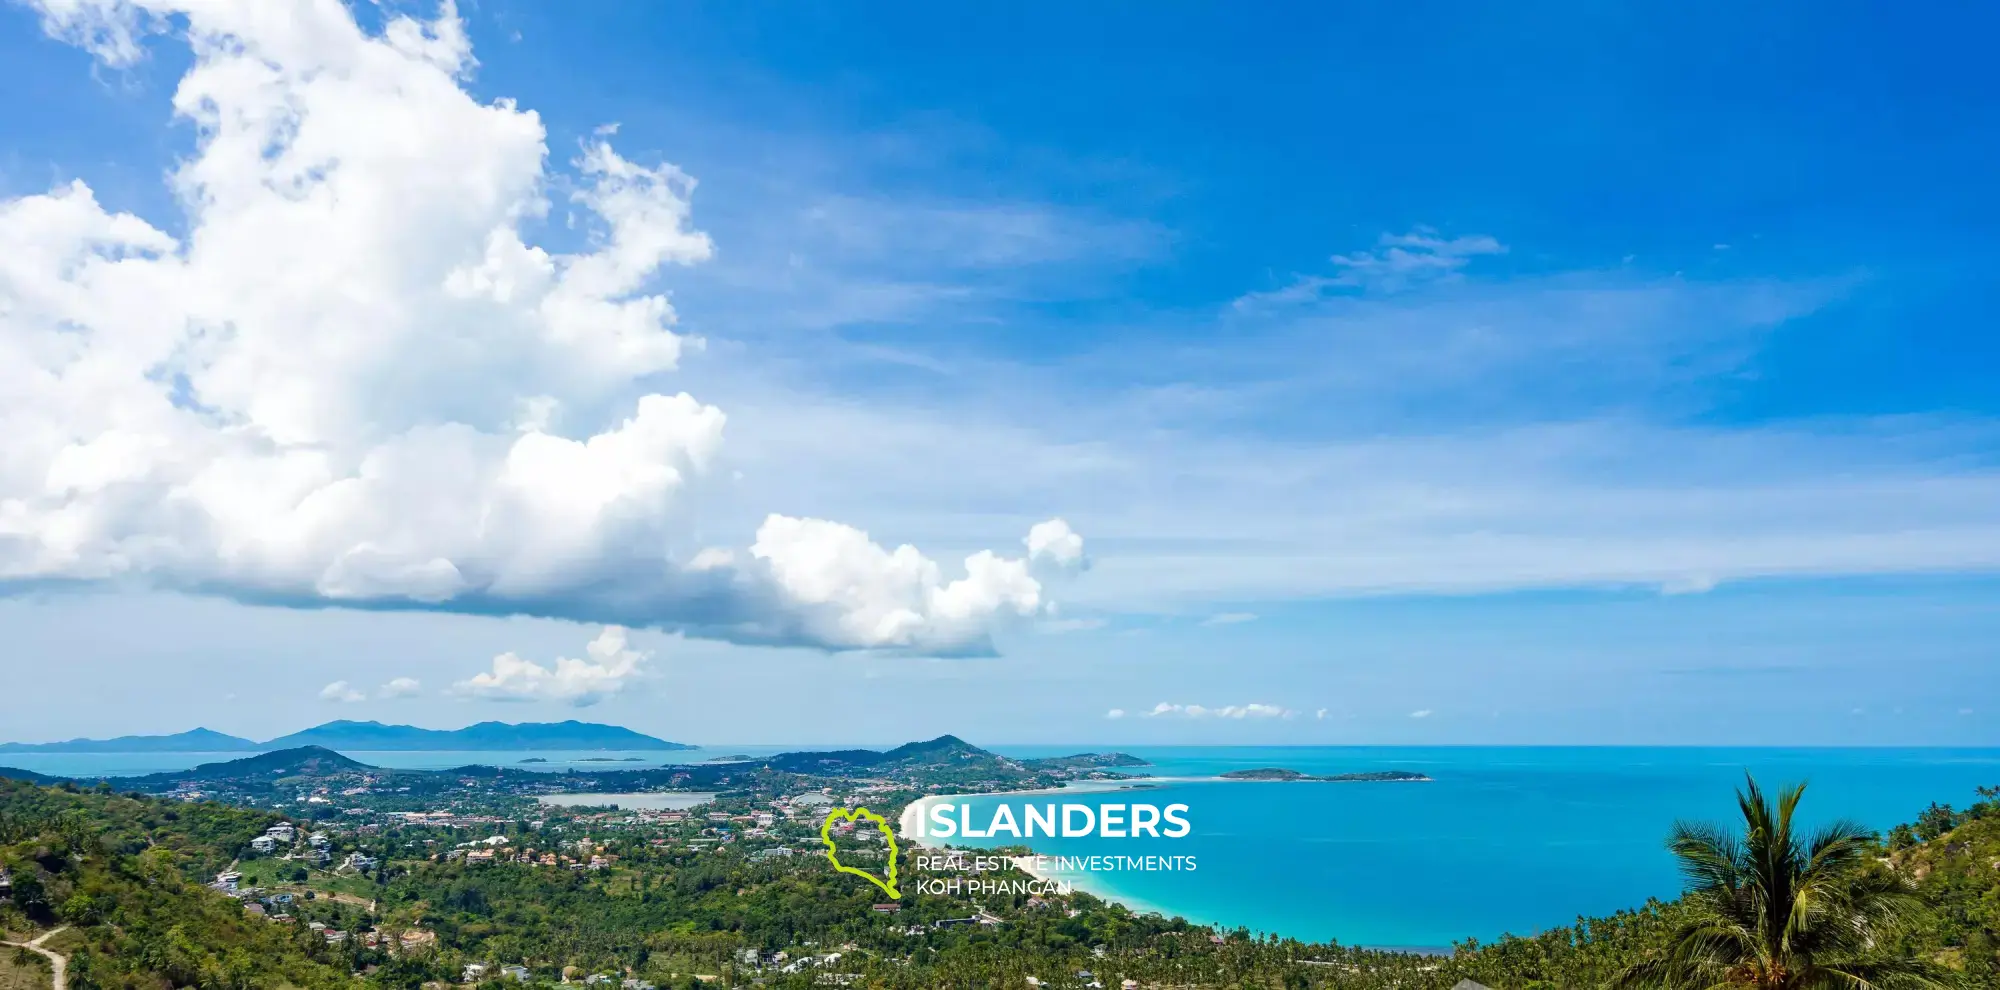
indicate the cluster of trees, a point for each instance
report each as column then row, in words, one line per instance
column 1768, row 906
column 120, row 870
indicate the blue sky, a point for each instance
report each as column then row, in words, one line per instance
column 1564, row 374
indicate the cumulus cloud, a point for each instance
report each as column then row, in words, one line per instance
column 1115, row 713
column 1320, row 713
column 1054, row 544
column 611, row 668
column 341, row 691
column 1252, row 710
column 340, row 383
column 401, row 687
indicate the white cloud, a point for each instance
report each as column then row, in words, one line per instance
column 1115, row 713
column 848, row 592
column 611, row 668
column 1397, row 262
column 1053, row 543
column 1252, row 710
column 341, row 384
column 1320, row 713
column 341, row 691
column 401, row 687
column 1688, row 584
column 1421, row 713
column 1229, row 618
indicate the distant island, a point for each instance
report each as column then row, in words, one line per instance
column 191, row 741
column 345, row 734
column 1280, row 773
column 535, row 759
column 1082, row 760
column 734, row 758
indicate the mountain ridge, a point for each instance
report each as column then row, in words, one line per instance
column 196, row 740
column 373, row 736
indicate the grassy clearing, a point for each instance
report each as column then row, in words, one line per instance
column 18, row 974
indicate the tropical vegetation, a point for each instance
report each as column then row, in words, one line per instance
column 1768, row 905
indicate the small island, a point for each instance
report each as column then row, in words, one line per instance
column 1280, row 773
column 535, row 759
column 1081, row 761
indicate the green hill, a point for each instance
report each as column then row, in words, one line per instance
column 303, row 761
column 123, row 874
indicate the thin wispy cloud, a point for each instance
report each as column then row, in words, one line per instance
column 1229, row 618
column 1253, row 710
column 1397, row 262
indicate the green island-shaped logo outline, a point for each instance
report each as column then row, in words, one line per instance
column 881, row 825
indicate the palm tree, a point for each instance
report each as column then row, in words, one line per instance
column 1779, row 911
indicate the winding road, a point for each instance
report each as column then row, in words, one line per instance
column 58, row 963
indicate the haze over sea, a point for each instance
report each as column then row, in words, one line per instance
column 1503, row 839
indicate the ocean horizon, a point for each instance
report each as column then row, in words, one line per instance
column 1502, row 839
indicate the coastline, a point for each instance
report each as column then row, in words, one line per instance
column 1084, row 881
column 1090, row 882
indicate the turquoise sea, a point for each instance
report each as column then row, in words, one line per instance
column 1501, row 840
column 1504, row 839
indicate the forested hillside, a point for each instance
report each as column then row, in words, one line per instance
column 127, row 872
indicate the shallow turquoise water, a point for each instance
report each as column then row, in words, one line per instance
column 1503, row 839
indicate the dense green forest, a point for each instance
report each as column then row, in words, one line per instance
column 126, row 873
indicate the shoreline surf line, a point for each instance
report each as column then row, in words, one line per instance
column 1085, row 881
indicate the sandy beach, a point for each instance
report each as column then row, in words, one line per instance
column 1031, row 865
